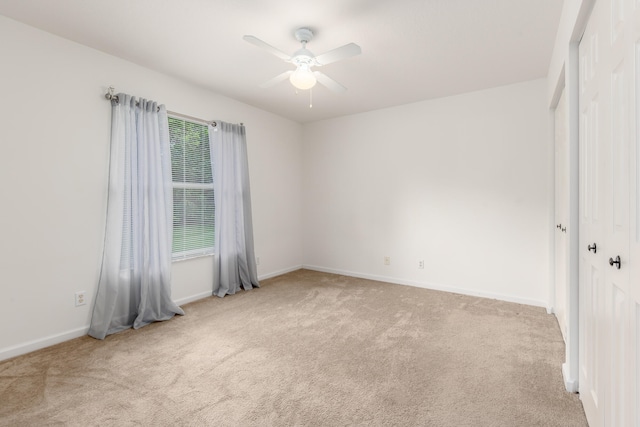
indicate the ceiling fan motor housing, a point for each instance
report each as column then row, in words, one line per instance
column 304, row 35
column 303, row 56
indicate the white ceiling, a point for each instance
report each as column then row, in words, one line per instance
column 412, row 50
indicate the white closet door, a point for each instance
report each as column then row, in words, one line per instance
column 609, row 313
column 593, row 124
column 618, row 76
column 633, row 373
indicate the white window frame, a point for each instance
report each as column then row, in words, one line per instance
column 192, row 253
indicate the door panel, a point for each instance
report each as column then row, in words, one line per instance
column 610, row 214
column 591, row 296
column 634, row 223
column 619, row 156
column 592, row 300
column 618, row 335
column 617, row 19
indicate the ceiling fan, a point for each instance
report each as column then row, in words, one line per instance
column 303, row 77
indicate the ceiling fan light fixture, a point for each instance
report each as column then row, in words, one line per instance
column 302, row 78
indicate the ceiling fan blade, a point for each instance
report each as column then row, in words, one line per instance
column 266, row 46
column 346, row 51
column 277, row 79
column 328, row 82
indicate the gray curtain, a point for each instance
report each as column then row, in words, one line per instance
column 135, row 280
column 235, row 264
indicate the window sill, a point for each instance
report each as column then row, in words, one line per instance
column 191, row 257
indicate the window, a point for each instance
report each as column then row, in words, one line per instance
column 193, row 205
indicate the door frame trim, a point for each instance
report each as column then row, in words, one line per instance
column 569, row 80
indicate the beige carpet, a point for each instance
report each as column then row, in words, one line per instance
column 307, row 349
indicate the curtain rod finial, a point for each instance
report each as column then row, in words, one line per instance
column 110, row 94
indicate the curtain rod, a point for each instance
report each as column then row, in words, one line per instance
column 111, row 97
column 193, row 119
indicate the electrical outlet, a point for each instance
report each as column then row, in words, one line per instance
column 257, row 260
column 80, row 298
column 421, row 264
column 387, row 260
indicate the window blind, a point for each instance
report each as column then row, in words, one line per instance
column 193, row 205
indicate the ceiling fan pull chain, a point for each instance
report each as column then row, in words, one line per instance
column 310, row 98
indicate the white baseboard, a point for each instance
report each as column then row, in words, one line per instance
column 571, row 384
column 280, row 272
column 38, row 344
column 192, row 298
column 28, row 347
column 207, row 294
column 433, row 286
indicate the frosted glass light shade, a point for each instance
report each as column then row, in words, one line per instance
column 303, row 78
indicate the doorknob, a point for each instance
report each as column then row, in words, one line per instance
column 592, row 247
column 616, row 262
column 563, row 229
column 559, row 226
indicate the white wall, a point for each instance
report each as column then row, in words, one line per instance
column 53, row 180
column 458, row 182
